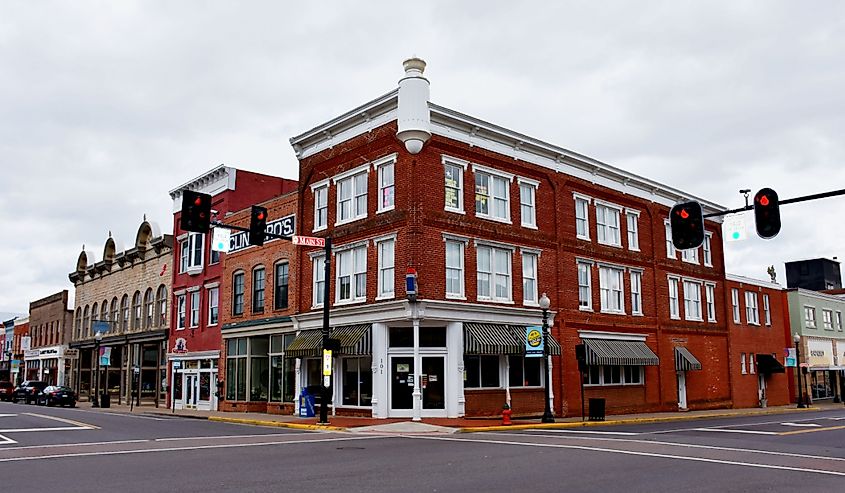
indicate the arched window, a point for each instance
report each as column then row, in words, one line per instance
column 238, row 293
column 86, row 322
column 149, row 307
column 124, row 311
column 115, row 315
column 77, row 328
column 280, row 286
column 104, row 312
column 161, row 306
column 94, row 314
column 258, row 289
column 136, row 310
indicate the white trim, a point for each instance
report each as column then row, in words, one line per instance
column 347, row 246
column 390, row 158
column 492, row 171
column 527, row 181
column 454, row 237
column 494, row 244
column 191, row 289
column 616, row 336
column 578, row 195
column 633, row 212
column 211, row 285
column 582, row 260
column 446, row 159
column 608, row 204
column 377, row 239
column 756, row 282
column 352, row 172
column 533, row 251
column 320, row 184
column 179, row 292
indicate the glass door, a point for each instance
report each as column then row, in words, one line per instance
column 402, row 382
column 191, row 390
column 433, row 382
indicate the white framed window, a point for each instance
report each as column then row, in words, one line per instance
column 611, row 289
column 321, row 206
column 386, row 271
column 751, row 363
column 692, row 300
column 752, row 315
column 585, row 289
column 742, row 364
column 454, row 185
column 632, row 222
column 708, row 249
column 352, row 197
column 839, row 321
column 525, row 372
column 827, row 319
column 670, row 247
column 454, row 269
column 529, row 278
column 191, row 252
column 735, row 304
column 674, row 303
column 351, row 281
column 527, row 202
column 184, row 255
column 492, row 196
column 482, row 372
column 613, row 375
column 180, row 312
column 810, row 317
column 238, row 288
column 195, row 309
column 582, row 217
column 213, row 305
column 494, row 273
column 767, row 312
column 690, row 255
column 607, row 224
column 386, row 183
column 636, row 292
column 710, row 293
column 318, row 264
column 259, row 277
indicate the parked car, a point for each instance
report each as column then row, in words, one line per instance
column 28, row 391
column 57, row 394
column 7, row 390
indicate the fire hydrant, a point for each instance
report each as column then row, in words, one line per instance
column 506, row 415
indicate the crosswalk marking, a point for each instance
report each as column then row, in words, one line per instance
column 806, row 425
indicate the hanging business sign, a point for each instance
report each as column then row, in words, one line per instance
column 26, row 343
column 221, row 239
column 100, row 326
column 789, row 359
column 105, row 356
column 285, row 226
column 734, row 228
column 533, row 341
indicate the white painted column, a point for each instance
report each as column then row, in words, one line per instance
column 380, row 368
column 417, row 367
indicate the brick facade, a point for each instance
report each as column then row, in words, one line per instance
column 50, row 320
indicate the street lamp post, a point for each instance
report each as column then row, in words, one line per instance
column 98, row 337
column 797, row 339
column 545, row 303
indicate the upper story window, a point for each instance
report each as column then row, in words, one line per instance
column 280, row 286
column 124, row 311
column 494, row 273
column 707, row 247
column 180, row 311
column 454, row 184
column 161, row 306
column 582, row 216
column 386, row 183
column 585, row 290
column 611, row 290
column 670, row 247
column 238, row 293
column 195, row 308
column 321, row 205
column 191, row 252
column 692, row 300
column 636, row 292
column 752, row 315
column 839, row 321
column 258, row 290
column 735, row 304
column 810, row 317
column 607, row 224
column 352, row 195
column 827, row 319
column 674, row 302
column 528, row 202
column 529, row 278
column 690, row 255
column 351, row 282
column 632, row 220
column 454, row 269
column 767, row 312
column 213, row 257
column 136, row 310
column 149, row 308
column 710, row 291
column 213, row 305
column 492, row 194
column 386, row 275
column 115, row 314
column 319, row 276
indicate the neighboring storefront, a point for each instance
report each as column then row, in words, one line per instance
column 194, row 377
column 47, row 364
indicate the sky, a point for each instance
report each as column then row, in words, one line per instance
column 106, row 106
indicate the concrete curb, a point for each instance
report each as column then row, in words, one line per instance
column 278, row 424
column 617, row 422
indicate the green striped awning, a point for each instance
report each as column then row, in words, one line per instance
column 614, row 352
column 490, row 339
column 684, row 360
column 519, row 333
column 354, row 340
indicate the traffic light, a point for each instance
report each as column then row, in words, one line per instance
column 767, row 213
column 257, row 225
column 687, row 225
column 196, row 211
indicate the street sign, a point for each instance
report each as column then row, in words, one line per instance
column 734, row 228
column 220, row 239
column 327, row 363
column 309, row 241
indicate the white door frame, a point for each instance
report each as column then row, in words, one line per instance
column 682, row 390
column 425, row 413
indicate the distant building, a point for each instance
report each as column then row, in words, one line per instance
column 50, row 323
column 814, row 274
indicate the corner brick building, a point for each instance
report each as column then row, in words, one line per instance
column 490, row 219
column 50, row 328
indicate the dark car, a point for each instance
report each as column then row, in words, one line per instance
column 7, row 390
column 28, row 391
column 57, row 394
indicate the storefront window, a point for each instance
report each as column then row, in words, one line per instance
column 525, row 372
column 236, row 369
column 357, row 382
column 259, row 375
column 481, row 371
column 821, row 385
column 282, row 370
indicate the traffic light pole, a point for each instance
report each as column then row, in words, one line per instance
column 324, row 399
column 804, row 198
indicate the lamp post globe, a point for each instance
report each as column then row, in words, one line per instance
column 548, row 417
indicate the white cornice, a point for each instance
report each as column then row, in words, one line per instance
column 756, row 282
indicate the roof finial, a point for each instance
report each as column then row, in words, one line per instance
column 83, row 247
column 145, row 217
column 109, row 233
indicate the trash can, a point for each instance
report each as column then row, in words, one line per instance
column 105, row 400
column 596, row 409
column 306, row 404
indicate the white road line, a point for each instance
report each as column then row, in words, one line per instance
column 64, row 420
column 587, row 432
column 807, row 425
column 7, row 415
column 173, row 439
column 675, row 430
column 84, row 444
column 57, row 428
column 5, row 439
column 643, row 454
column 196, row 447
column 681, row 444
column 123, row 415
column 729, row 430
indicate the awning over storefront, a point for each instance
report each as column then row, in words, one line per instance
column 354, row 340
column 492, row 339
column 766, row 363
column 615, row 352
column 685, row 361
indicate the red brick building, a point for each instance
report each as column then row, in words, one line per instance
column 256, row 322
column 194, row 342
column 490, row 219
column 758, row 318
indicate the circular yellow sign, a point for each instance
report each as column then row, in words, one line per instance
column 535, row 338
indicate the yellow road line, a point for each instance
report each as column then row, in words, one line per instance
column 812, row 430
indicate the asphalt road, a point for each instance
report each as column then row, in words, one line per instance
column 50, row 449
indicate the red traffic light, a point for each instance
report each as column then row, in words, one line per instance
column 198, row 201
column 260, row 215
column 767, row 213
column 764, row 201
column 684, row 213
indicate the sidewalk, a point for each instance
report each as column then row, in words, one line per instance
column 344, row 423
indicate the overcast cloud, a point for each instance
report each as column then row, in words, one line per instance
column 106, row 106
